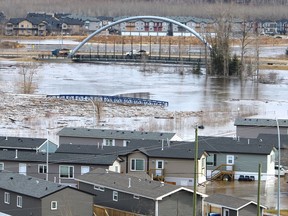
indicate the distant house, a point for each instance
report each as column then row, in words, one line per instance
column 70, row 26
column 27, row 144
column 137, row 195
column 252, row 127
column 62, row 168
column 219, row 204
column 24, row 195
column 273, row 138
column 173, row 163
column 165, row 161
column 106, row 137
column 26, row 27
column 266, row 130
column 230, row 157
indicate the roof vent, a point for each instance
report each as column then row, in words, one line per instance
column 11, row 178
column 161, row 184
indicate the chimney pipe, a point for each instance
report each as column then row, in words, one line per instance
column 162, row 145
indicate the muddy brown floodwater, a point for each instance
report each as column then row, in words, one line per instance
column 249, row 191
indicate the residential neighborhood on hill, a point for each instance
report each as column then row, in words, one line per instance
column 45, row 24
column 137, row 172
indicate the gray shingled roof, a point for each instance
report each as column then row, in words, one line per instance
column 20, row 142
column 273, row 138
column 231, row 145
column 27, row 185
column 229, row 201
column 152, row 148
column 113, row 134
column 120, row 182
column 260, row 122
column 60, row 158
column 93, row 149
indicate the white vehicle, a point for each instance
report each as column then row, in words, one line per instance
column 139, row 54
column 283, row 171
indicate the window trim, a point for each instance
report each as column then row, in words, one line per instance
column 2, row 163
column 115, row 196
column 19, row 201
column 44, row 167
column 69, row 166
column 135, row 165
column 6, row 197
column 99, row 188
column 226, row 212
column 52, row 205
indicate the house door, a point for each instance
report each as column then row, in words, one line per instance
column 22, row 168
column 229, row 161
column 159, row 167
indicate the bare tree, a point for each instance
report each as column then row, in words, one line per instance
column 27, row 79
column 220, row 53
column 245, row 39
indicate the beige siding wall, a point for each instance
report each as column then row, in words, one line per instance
column 68, row 201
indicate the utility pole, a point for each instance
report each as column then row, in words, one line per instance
column 279, row 163
column 195, row 172
column 259, row 190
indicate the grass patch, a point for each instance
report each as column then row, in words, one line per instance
column 282, row 212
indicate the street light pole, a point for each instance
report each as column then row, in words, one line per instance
column 279, row 160
column 195, row 173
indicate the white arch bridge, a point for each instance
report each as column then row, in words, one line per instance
column 168, row 20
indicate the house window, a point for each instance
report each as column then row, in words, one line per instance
column 115, row 196
column 226, row 212
column 53, row 205
column 137, row 165
column 42, row 168
column 66, row 171
column 108, row 142
column 85, row 169
column 211, row 160
column 7, row 198
column 1, row 166
column 203, row 163
column 99, row 188
column 19, row 201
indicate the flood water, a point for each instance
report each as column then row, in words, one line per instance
column 221, row 101
column 249, row 191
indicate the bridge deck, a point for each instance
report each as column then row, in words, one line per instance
column 191, row 60
column 112, row 99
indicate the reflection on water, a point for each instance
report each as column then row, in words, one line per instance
column 143, row 95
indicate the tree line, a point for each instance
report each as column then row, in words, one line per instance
column 260, row 9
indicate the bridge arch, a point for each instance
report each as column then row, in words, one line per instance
column 137, row 18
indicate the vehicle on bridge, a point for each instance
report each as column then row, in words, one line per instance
column 137, row 54
column 61, row 52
